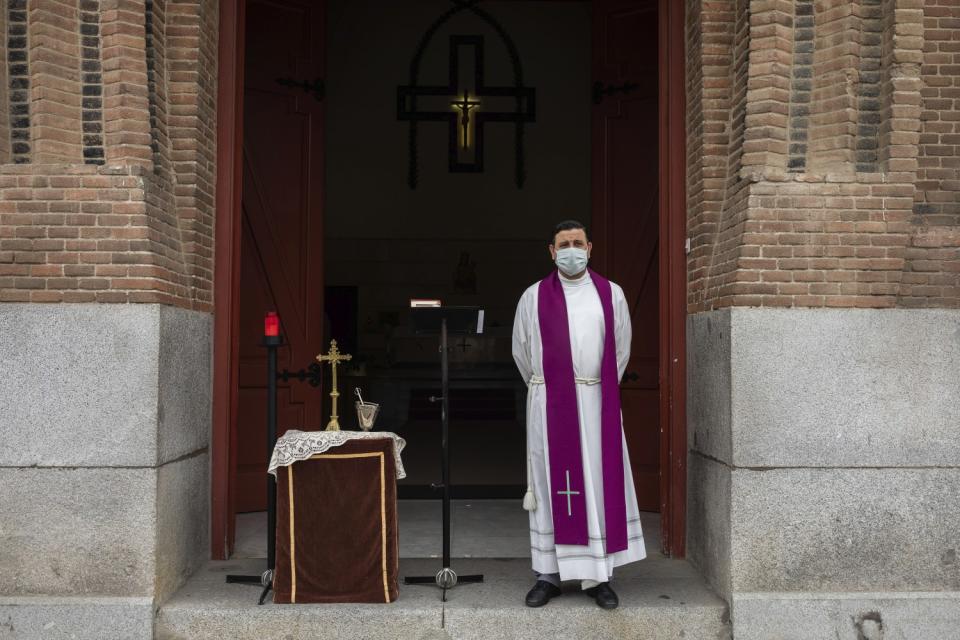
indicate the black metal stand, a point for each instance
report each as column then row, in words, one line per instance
column 446, row 578
column 266, row 578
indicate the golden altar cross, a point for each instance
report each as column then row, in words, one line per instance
column 334, row 357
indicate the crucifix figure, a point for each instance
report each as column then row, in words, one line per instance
column 568, row 493
column 334, row 357
column 465, row 105
column 465, row 91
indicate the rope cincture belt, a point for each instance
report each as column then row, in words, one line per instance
column 535, row 379
column 529, row 500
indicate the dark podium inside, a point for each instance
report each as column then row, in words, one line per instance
column 444, row 322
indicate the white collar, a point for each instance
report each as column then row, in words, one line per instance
column 574, row 282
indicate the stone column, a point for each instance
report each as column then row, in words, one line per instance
column 824, row 326
column 106, row 285
column 824, row 477
column 103, row 470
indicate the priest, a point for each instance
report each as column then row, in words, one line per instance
column 571, row 342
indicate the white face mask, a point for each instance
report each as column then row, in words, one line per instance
column 571, row 260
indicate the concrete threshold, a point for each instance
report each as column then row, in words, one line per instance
column 659, row 599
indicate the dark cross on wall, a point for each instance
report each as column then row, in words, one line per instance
column 466, row 104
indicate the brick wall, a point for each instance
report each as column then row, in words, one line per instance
column 192, row 82
column 91, row 89
column 714, row 187
column 4, row 85
column 53, row 49
column 833, row 114
column 932, row 276
column 938, row 177
column 830, row 182
column 82, row 233
column 17, row 103
column 110, row 195
column 822, row 152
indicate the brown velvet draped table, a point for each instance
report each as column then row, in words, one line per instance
column 337, row 526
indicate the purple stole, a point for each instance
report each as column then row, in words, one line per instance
column 568, row 502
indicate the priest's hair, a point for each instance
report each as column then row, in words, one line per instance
column 567, row 225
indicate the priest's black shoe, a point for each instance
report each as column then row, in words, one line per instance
column 541, row 593
column 604, row 595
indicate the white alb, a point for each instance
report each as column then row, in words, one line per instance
column 585, row 318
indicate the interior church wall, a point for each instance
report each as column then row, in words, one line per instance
column 395, row 243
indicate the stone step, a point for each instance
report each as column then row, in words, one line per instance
column 659, row 599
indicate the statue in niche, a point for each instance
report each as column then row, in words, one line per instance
column 465, row 275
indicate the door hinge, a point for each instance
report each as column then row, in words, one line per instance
column 602, row 90
column 317, row 88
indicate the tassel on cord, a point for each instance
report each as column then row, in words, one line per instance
column 529, row 500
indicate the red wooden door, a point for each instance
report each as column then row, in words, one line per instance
column 281, row 242
column 625, row 210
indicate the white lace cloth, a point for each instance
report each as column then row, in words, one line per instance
column 295, row 445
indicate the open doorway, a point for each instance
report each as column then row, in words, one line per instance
column 464, row 237
column 333, row 236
